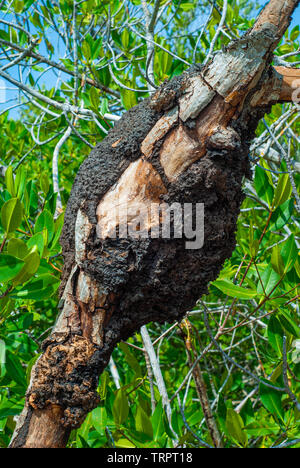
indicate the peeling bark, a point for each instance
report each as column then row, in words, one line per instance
column 188, row 144
column 290, row 81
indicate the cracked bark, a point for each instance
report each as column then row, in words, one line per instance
column 188, row 143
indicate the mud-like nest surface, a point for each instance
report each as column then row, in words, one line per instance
column 105, row 164
column 159, row 279
column 152, row 279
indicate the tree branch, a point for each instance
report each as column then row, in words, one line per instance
column 61, row 67
column 163, row 148
column 290, row 82
column 277, row 13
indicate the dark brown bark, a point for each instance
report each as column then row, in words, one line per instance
column 200, row 385
column 290, row 80
column 188, row 143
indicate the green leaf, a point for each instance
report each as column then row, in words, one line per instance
column 167, row 426
column 269, row 279
column 15, row 370
column 39, row 288
column 128, row 98
column 45, row 220
column 104, row 106
column 84, row 443
column 288, row 323
column 295, row 33
column 58, row 224
column 31, row 264
column 50, row 204
column 165, row 61
column 17, row 247
column 18, row 6
column 143, row 422
column 271, row 399
column 10, row 407
column 11, row 214
column 83, row 432
column 258, row 431
column 86, row 50
column 289, row 253
column 9, row 181
column 283, row 190
column 297, row 267
column 145, row 404
column 262, row 185
column 9, row 267
column 235, row 427
column 38, row 241
column 233, row 290
column 125, row 443
column 45, row 185
column 31, row 80
column 31, row 198
column 120, row 407
column 158, row 421
column 125, row 38
column 95, row 99
column 281, row 215
column 96, row 48
column 131, row 359
column 30, row 366
column 20, row 181
column 277, row 261
column 104, row 76
column 2, row 358
column 99, row 419
column 277, row 373
column 104, row 379
column 253, row 243
column 275, row 334
column 195, row 418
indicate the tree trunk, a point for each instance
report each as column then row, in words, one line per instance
column 189, row 143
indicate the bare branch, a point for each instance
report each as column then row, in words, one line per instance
column 55, row 169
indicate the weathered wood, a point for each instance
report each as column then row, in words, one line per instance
column 277, row 13
column 45, row 423
column 198, row 96
column 139, row 186
column 160, row 129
